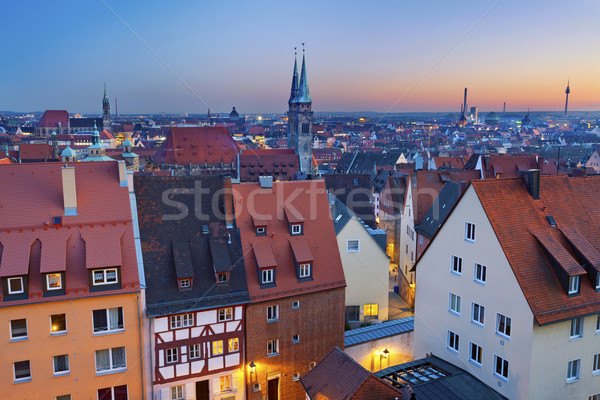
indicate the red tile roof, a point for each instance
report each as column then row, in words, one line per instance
column 517, row 219
column 5, row 161
column 263, row 254
column 197, row 145
column 281, row 164
column 51, row 118
column 301, row 250
column 35, row 151
column 310, row 199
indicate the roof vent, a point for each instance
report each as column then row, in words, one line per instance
column 266, row 182
column 205, row 229
column 57, row 220
column 551, row 221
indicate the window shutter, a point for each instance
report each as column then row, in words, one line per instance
column 234, row 382
column 216, row 385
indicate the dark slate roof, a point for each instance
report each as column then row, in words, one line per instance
column 439, row 210
column 85, row 122
column 378, row 331
column 340, row 213
column 380, row 180
column 164, row 243
column 367, row 162
column 440, row 380
column 354, row 190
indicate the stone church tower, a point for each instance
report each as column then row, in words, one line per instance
column 105, row 112
column 300, row 118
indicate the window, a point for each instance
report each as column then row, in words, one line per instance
column 420, row 240
column 480, row 273
column 53, row 281
column 296, row 229
column 453, row 339
column 225, row 314
column 63, row 397
column 272, row 313
column 267, row 276
column 576, row 328
column 454, row 303
column 312, row 365
column 175, row 321
column 234, row 345
column 18, row 329
column 352, row 313
column 105, row 276
column 108, row 320
column 185, row 283
column 217, row 346
column 256, row 387
column 58, row 324
column 295, row 304
column 456, row 265
column 304, row 270
column 22, row 371
column 352, row 246
column 594, row 397
column 261, row 230
column 177, row 392
column 222, row 277
column 501, row 367
column 573, row 371
column 296, row 376
column 172, row 355
column 194, row 351
column 475, row 354
column 596, row 364
column 110, row 359
column 477, row 313
column 114, row 393
column 574, row 285
column 598, row 282
column 15, row 285
column 503, row 325
column 188, row 320
column 598, row 324
column 273, row 347
column 296, row 338
column 469, row 232
column 225, row 383
column 371, row 311
column 61, row 364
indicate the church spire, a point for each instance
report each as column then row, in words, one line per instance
column 294, row 91
column 105, row 101
column 303, row 93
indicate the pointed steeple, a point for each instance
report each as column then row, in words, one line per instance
column 95, row 136
column 303, row 93
column 295, row 85
column 105, row 101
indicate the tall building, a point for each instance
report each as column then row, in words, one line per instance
column 300, row 118
column 567, row 98
column 105, row 112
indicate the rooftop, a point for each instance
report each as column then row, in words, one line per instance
column 378, row 331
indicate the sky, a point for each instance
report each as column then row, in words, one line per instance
column 186, row 56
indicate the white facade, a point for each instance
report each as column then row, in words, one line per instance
column 408, row 237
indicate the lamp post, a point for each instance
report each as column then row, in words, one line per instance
column 252, row 367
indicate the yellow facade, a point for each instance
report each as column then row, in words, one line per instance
column 79, row 342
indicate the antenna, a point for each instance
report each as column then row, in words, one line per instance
column 116, row 109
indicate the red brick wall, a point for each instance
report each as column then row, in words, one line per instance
column 320, row 323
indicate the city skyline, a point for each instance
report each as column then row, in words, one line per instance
column 389, row 57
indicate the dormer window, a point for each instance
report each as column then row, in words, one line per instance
column 296, row 229
column 185, row 283
column 304, row 270
column 261, row 230
column 54, row 281
column 267, row 276
column 106, row 276
column 574, row 284
column 598, row 281
column 15, row 285
column 222, row 277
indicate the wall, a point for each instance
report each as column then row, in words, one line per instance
column 79, row 343
column 368, row 354
column 501, row 293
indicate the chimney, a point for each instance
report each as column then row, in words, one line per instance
column 122, row 173
column 69, row 190
column 532, row 181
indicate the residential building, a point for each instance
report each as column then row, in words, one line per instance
column 70, row 292
column 196, row 288
column 295, row 281
column 509, row 287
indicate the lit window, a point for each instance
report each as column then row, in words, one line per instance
column 454, row 303
column 371, row 310
column 225, row 383
column 108, row 320
column 58, row 324
column 177, row 392
column 61, row 364
column 352, row 246
column 296, row 338
column 267, row 276
column 477, row 313
column 312, row 365
column 272, row 313
column 574, row 285
column 296, row 376
column 576, row 328
column 573, row 370
column 172, row 355
column 217, row 346
column 295, row 304
column 475, row 354
column 15, row 285
column 22, row 371
column 456, row 265
column 304, row 270
column 234, row 345
column 195, row 351
column 480, row 273
column 273, row 347
column 111, row 359
column 503, row 325
column 53, row 281
column 469, row 232
column 453, row 340
column 500, row 367
column 225, row 314
column 296, row 229
column 222, row 277
column 596, row 365
column 105, row 276
column 18, row 329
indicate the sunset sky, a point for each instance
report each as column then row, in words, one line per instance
column 398, row 56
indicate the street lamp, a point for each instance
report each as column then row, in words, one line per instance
column 252, row 367
column 384, row 354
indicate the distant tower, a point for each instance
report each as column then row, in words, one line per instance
column 116, row 109
column 567, row 99
column 504, row 109
column 463, row 118
column 300, row 117
column 105, row 112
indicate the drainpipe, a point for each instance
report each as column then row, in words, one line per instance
column 141, row 347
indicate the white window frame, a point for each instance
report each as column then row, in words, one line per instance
column 598, row 281
column 480, row 274
column 596, row 364
column 225, row 383
column 573, row 370
column 177, row 392
column 296, row 376
column 171, row 355
column 60, row 281
column 222, row 277
column 296, row 229
column 194, row 351
column 477, row 314
column 225, row 314
column 108, row 330
column 175, row 321
column 456, row 265
column 187, row 320
column 295, row 304
column 504, row 369
column 273, row 313
column 454, row 306
column 296, row 338
column 63, row 397
column 267, row 275
column 507, row 324
column 453, row 341
column 57, row 332
column 272, row 347
column 185, row 283
column 598, row 324
column 576, row 330
column 470, row 233
column 25, row 378
column 105, row 272
column 17, row 338
column 111, row 361
column 8, row 283
column 352, row 249
column 60, row 373
column 217, row 347
column 304, row 270
column 475, row 354
column 574, row 284
column 233, row 345
column 261, row 230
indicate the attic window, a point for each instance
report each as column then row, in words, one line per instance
column 338, row 218
column 15, row 285
column 551, row 221
column 185, row 283
column 574, row 284
column 296, row 229
column 261, row 230
column 205, row 229
column 222, row 277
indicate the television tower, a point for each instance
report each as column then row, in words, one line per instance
column 567, row 99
